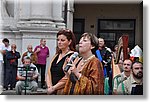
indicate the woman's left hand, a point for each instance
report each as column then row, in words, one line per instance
column 74, row 70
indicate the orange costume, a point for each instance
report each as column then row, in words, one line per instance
column 91, row 82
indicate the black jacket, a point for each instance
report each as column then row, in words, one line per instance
column 12, row 59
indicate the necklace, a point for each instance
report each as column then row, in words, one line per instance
column 86, row 60
column 63, row 55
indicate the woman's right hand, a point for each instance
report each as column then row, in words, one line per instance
column 72, row 66
column 50, row 90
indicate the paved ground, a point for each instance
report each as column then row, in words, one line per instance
column 39, row 91
column 13, row 92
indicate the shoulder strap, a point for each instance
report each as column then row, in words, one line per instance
column 99, row 55
column 123, row 88
column 73, row 79
column 78, row 62
column 101, row 59
column 69, row 54
column 116, row 77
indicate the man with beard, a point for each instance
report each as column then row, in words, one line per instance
column 134, row 84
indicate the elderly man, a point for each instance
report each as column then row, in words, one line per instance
column 30, row 54
column 11, row 67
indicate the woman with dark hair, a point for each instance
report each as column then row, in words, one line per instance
column 85, row 77
column 55, row 77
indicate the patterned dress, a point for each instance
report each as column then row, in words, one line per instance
column 90, row 83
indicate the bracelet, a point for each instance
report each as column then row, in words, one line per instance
column 79, row 76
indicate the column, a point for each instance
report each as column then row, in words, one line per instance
column 57, row 13
column 41, row 9
column 70, row 10
column 24, row 9
column 16, row 9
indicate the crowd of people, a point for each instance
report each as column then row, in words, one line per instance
column 88, row 73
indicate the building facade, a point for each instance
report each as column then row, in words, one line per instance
column 110, row 20
column 27, row 21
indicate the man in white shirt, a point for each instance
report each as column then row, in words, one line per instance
column 1, row 67
column 4, row 47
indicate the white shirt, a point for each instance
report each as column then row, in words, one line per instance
column 30, row 72
column 1, row 48
column 120, row 79
column 7, row 48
